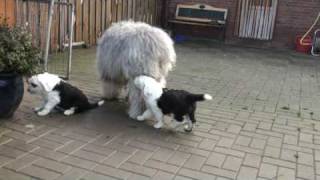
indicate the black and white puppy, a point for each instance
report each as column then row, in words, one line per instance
column 161, row 101
column 57, row 93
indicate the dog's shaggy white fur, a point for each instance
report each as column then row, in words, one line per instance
column 151, row 91
column 129, row 49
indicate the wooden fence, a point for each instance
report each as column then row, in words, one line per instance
column 7, row 10
column 92, row 17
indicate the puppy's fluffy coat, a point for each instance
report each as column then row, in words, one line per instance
column 161, row 101
column 56, row 93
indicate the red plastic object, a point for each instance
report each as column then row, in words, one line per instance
column 306, row 45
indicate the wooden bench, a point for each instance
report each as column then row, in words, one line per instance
column 200, row 15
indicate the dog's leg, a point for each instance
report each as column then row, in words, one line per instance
column 111, row 90
column 135, row 100
column 37, row 109
column 146, row 115
column 70, row 111
column 53, row 100
column 177, row 121
column 159, row 117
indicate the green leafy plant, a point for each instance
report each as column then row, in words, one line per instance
column 17, row 53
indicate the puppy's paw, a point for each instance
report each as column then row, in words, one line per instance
column 158, row 125
column 140, row 118
column 37, row 109
column 68, row 112
column 174, row 124
column 43, row 112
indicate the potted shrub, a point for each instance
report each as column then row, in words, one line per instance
column 18, row 57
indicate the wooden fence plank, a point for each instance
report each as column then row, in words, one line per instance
column 86, row 21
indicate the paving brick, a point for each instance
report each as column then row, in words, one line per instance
column 268, row 171
column 207, row 144
column 195, row 162
column 252, row 160
column 289, row 139
column 162, row 154
column 306, row 137
column 47, row 153
column 272, row 152
column 194, row 151
column 279, row 162
column 216, row 159
column 74, row 173
column 247, row 173
column 163, row 175
column 113, row 172
column 38, row 172
column 143, row 146
column 275, row 142
column 181, row 178
column 116, row 159
column 77, row 162
column 140, row 157
column 22, row 162
column 56, row 138
column 289, row 155
column 138, row 177
column 250, row 127
column 243, row 141
column 305, row 158
column 91, row 156
column 232, row 163
column 95, row 176
column 258, row 143
column 219, row 172
column 234, row 129
column 306, row 172
column 286, row 174
column 79, row 137
column 178, row 158
column 71, row 147
column 195, row 174
column 52, row 165
column 11, row 152
column 47, row 144
column 230, row 152
column 11, row 175
column 101, row 150
column 225, row 142
column 138, row 169
column 21, row 145
column 162, row 166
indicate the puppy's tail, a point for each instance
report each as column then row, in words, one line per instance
column 199, row 97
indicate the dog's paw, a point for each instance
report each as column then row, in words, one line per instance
column 68, row 112
column 37, row 109
column 158, row 125
column 140, row 118
column 44, row 112
column 188, row 127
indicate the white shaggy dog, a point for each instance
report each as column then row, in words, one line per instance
column 129, row 49
column 57, row 93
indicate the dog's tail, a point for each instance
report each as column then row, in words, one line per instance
column 199, row 97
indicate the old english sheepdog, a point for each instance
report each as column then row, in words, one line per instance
column 129, row 49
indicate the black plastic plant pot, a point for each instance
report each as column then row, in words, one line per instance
column 11, row 93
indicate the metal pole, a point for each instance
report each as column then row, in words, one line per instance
column 70, row 39
column 46, row 53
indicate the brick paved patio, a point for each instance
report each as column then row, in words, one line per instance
column 263, row 123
